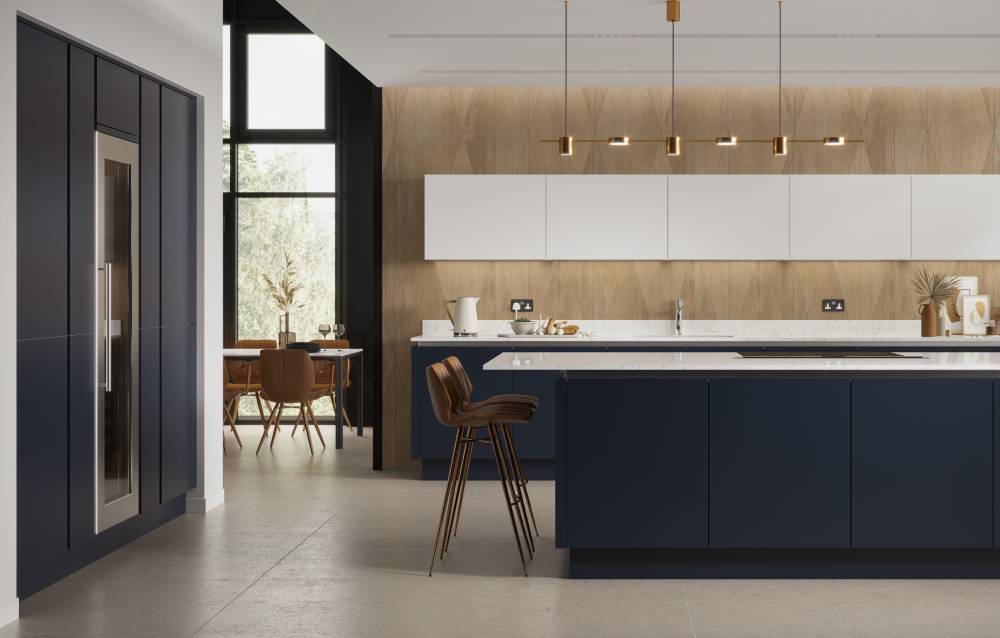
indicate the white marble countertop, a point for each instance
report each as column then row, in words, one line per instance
column 735, row 334
column 985, row 362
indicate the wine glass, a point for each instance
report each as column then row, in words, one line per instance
column 324, row 329
column 339, row 330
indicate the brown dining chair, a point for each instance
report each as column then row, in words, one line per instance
column 287, row 379
column 325, row 379
column 230, row 408
column 483, row 425
column 245, row 375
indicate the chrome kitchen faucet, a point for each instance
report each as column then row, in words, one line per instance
column 678, row 315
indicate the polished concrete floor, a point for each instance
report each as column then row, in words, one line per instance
column 321, row 546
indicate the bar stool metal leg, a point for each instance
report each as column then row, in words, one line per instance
column 467, row 463
column 444, row 503
column 465, row 444
column 519, row 473
column 498, row 456
column 515, row 487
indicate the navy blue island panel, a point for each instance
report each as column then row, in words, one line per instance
column 922, row 463
column 637, row 470
column 781, row 463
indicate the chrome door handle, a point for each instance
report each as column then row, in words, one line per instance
column 107, row 326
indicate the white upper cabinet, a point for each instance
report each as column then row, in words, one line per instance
column 607, row 217
column 850, row 217
column 484, row 217
column 731, row 217
column 956, row 217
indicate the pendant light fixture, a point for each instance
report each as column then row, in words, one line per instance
column 566, row 142
column 779, row 144
column 674, row 16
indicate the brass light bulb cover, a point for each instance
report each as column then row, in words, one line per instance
column 779, row 146
column 566, row 146
column 618, row 140
column 673, row 146
column 727, row 140
column 834, row 140
column 673, row 10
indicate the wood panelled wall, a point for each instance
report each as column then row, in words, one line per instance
column 496, row 130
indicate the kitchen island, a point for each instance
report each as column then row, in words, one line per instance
column 710, row 464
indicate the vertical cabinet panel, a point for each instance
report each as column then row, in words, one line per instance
column 639, row 472
column 956, row 217
column 81, row 438
column 42, row 449
column 117, row 97
column 149, row 207
column 42, row 197
column 850, row 217
column 729, row 217
column 922, row 463
column 81, row 191
column 149, row 419
column 606, row 217
column 178, row 427
column 177, row 188
column 780, row 463
column 484, row 217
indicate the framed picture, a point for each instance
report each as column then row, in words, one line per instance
column 967, row 285
column 975, row 313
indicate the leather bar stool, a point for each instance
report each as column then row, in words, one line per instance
column 481, row 425
column 287, row 377
column 458, row 373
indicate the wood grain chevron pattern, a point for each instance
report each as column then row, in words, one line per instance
column 496, row 130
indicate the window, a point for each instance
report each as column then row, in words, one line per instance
column 279, row 179
column 286, row 81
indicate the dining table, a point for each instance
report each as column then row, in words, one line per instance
column 338, row 356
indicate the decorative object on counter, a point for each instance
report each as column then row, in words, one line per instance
column 522, row 326
column 975, row 314
column 324, row 329
column 283, row 294
column 932, row 290
column 465, row 321
column 967, row 285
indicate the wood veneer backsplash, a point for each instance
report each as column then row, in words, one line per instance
column 495, row 130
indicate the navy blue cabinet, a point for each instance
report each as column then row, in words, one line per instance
column 149, row 418
column 149, row 207
column 923, row 463
column 177, row 197
column 636, row 463
column 117, row 97
column 178, row 426
column 42, row 178
column 81, row 438
column 42, row 448
column 780, row 463
column 82, row 269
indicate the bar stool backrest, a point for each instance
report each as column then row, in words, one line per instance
column 459, row 376
column 443, row 395
column 286, row 375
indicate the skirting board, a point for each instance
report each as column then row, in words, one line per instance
column 9, row 612
column 202, row 504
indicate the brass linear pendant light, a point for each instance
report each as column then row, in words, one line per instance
column 779, row 143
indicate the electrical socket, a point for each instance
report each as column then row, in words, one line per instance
column 522, row 305
column 833, row 305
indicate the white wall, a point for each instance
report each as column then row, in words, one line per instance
column 179, row 41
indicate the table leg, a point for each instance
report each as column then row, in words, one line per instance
column 338, row 373
column 359, row 400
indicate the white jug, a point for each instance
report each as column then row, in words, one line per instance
column 465, row 321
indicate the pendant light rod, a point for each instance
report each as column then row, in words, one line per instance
column 673, row 80
column 565, row 68
column 781, row 5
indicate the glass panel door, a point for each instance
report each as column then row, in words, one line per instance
column 117, row 336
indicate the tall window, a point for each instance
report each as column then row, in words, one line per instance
column 280, row 179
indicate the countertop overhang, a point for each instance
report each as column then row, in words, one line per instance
column 684, row 341
column 981, row 363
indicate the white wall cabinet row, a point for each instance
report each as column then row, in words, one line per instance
column 712, row 217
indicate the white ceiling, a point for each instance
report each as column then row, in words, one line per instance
column 626, row 42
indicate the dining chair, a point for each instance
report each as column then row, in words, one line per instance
column 230, row 408
column 245, row 375
column 288, row 379
column 325, row 379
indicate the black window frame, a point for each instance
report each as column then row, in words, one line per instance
column 240, row 30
